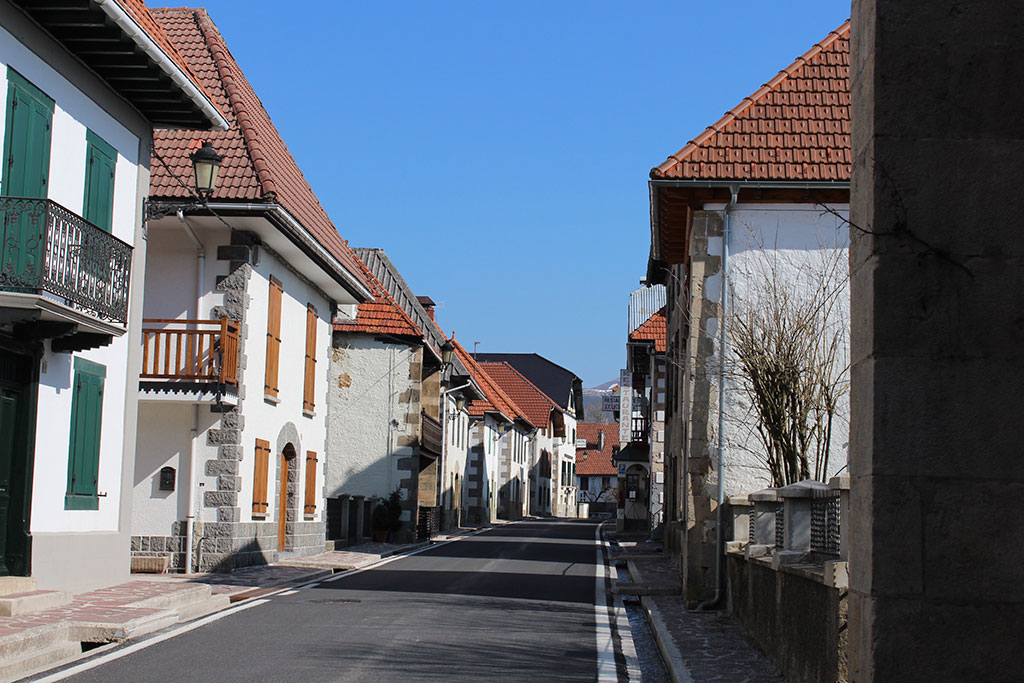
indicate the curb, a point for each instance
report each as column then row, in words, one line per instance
column 670, row 655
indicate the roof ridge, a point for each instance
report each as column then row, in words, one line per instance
column 491, row 382
column 751, row 99
column 523, row 377
column 222, row 57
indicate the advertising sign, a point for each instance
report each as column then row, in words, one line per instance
column 610, row 404
column 625, row 406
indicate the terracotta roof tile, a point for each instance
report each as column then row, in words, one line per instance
column 383, row 315
column 528, row 398
column 257, row 165
column 495, row 398
column 794, row 127
column 590, row 461
column 654, row 330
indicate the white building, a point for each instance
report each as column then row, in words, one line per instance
column 240, row 296
column 76, row 143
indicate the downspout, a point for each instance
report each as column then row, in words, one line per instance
column 722, row 352
column 190, row 518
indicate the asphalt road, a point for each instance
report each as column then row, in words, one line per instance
column 515, row 603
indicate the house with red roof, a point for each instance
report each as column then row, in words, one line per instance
column 84, row 86
column 597, row 475
column 243, row 283
column 749, row 215
column 397, row 418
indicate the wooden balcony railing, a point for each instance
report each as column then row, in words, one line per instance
column 430, row 435
column 641, row 429
column 197, row 350
column 45, row 247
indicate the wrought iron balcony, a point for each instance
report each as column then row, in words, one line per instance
column 192, row 350
column 431, row 438
column 47, row 248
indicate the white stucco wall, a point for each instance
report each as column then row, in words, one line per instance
column 456, row 456
column 74, row 114
column 367, row 377
column 788, row 242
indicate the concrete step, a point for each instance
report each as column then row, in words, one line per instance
column 188, row 594
column 196, row 610
column 625, row 588
column 110, row 631
column 16, row 584
column 38, row 660
column 15, row 604
column 15, row 645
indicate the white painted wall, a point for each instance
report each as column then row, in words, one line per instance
column 164, row 440
column 367, row 377
column 791, row 240
column 74, row 113
column 456, row 457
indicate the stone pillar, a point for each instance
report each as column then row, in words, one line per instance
column 937, row 476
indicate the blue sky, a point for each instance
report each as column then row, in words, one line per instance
column 499, row 151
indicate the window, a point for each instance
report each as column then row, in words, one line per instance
column 84, row 437
column 309, row 384
column 584, row 482
column 259, row 481
column 311, row 460
column 100, row 160
column 26, row 138
column 273, row 338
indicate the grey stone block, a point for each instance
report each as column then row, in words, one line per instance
column 230, row 452
column 228, row 514
column 227, row 482
column 217, row 437
column 215, row 468
column 216, row 499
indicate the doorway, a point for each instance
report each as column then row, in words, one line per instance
column 285, row 495
column 17, row 422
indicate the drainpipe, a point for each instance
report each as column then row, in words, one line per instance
column 722, row 350
column 190, row 519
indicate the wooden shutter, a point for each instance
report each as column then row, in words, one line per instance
column 26, row 138
column 309, row 385
column 84, row 436
column 100, row 160
column 259, row 480
column 311, row 461
column 273, row 338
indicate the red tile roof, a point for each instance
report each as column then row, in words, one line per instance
column 528, row 398
column 383, row 315
column 653, row 330
column 794, row 127
column 257, row 165
column 590, row 461
column 495, row 399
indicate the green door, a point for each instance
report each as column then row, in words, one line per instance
column 26, row 167
column 16, row 424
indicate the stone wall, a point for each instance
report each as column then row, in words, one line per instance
column 792, row 616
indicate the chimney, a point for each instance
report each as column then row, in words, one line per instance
column 600, row 440
column 427, row 303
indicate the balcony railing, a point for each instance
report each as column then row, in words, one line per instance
column 430, row 437
column 46, row 248
column 197, row 350
column 641, row 429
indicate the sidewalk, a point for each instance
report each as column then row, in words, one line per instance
column 33, row 642
column 704, row 647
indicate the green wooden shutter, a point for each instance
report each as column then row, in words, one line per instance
column 100, row 160
column 26, row 138
column 84, row 437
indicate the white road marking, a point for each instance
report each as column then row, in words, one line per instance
column 605, row 643
column 291, row 592
column 167, row 635
column 308, row 585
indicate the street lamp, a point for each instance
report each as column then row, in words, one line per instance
column 460, row 403
column 205, row 165
column 447, row 351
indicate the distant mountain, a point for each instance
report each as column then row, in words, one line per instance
column 592, row 400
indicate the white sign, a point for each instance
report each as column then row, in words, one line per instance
column 625, row 406
column 609, row 404
column 581, row 443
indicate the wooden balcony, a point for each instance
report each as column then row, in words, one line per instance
column 190, row 350
column 641, row 429
column 431, row 438
column 45, row 248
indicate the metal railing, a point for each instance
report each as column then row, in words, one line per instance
column 198, row 350
column 641, row 429
column 428, row 523
column 825, row 524
column 46, row 247
column 430, row 436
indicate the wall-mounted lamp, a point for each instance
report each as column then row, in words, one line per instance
column 447, row 352
column 205, row 165
column 460, row 403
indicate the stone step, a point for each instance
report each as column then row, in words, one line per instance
column 16, row 584
column 16, row 645
column 38, row 660
column 203, row 608
column 188, row 594
column 110, row 631
column 16, row 604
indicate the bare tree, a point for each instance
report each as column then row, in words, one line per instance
column 789, row 341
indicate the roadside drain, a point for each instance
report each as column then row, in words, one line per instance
column 336, row 601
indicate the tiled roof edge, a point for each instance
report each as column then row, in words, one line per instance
column 749, row 101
